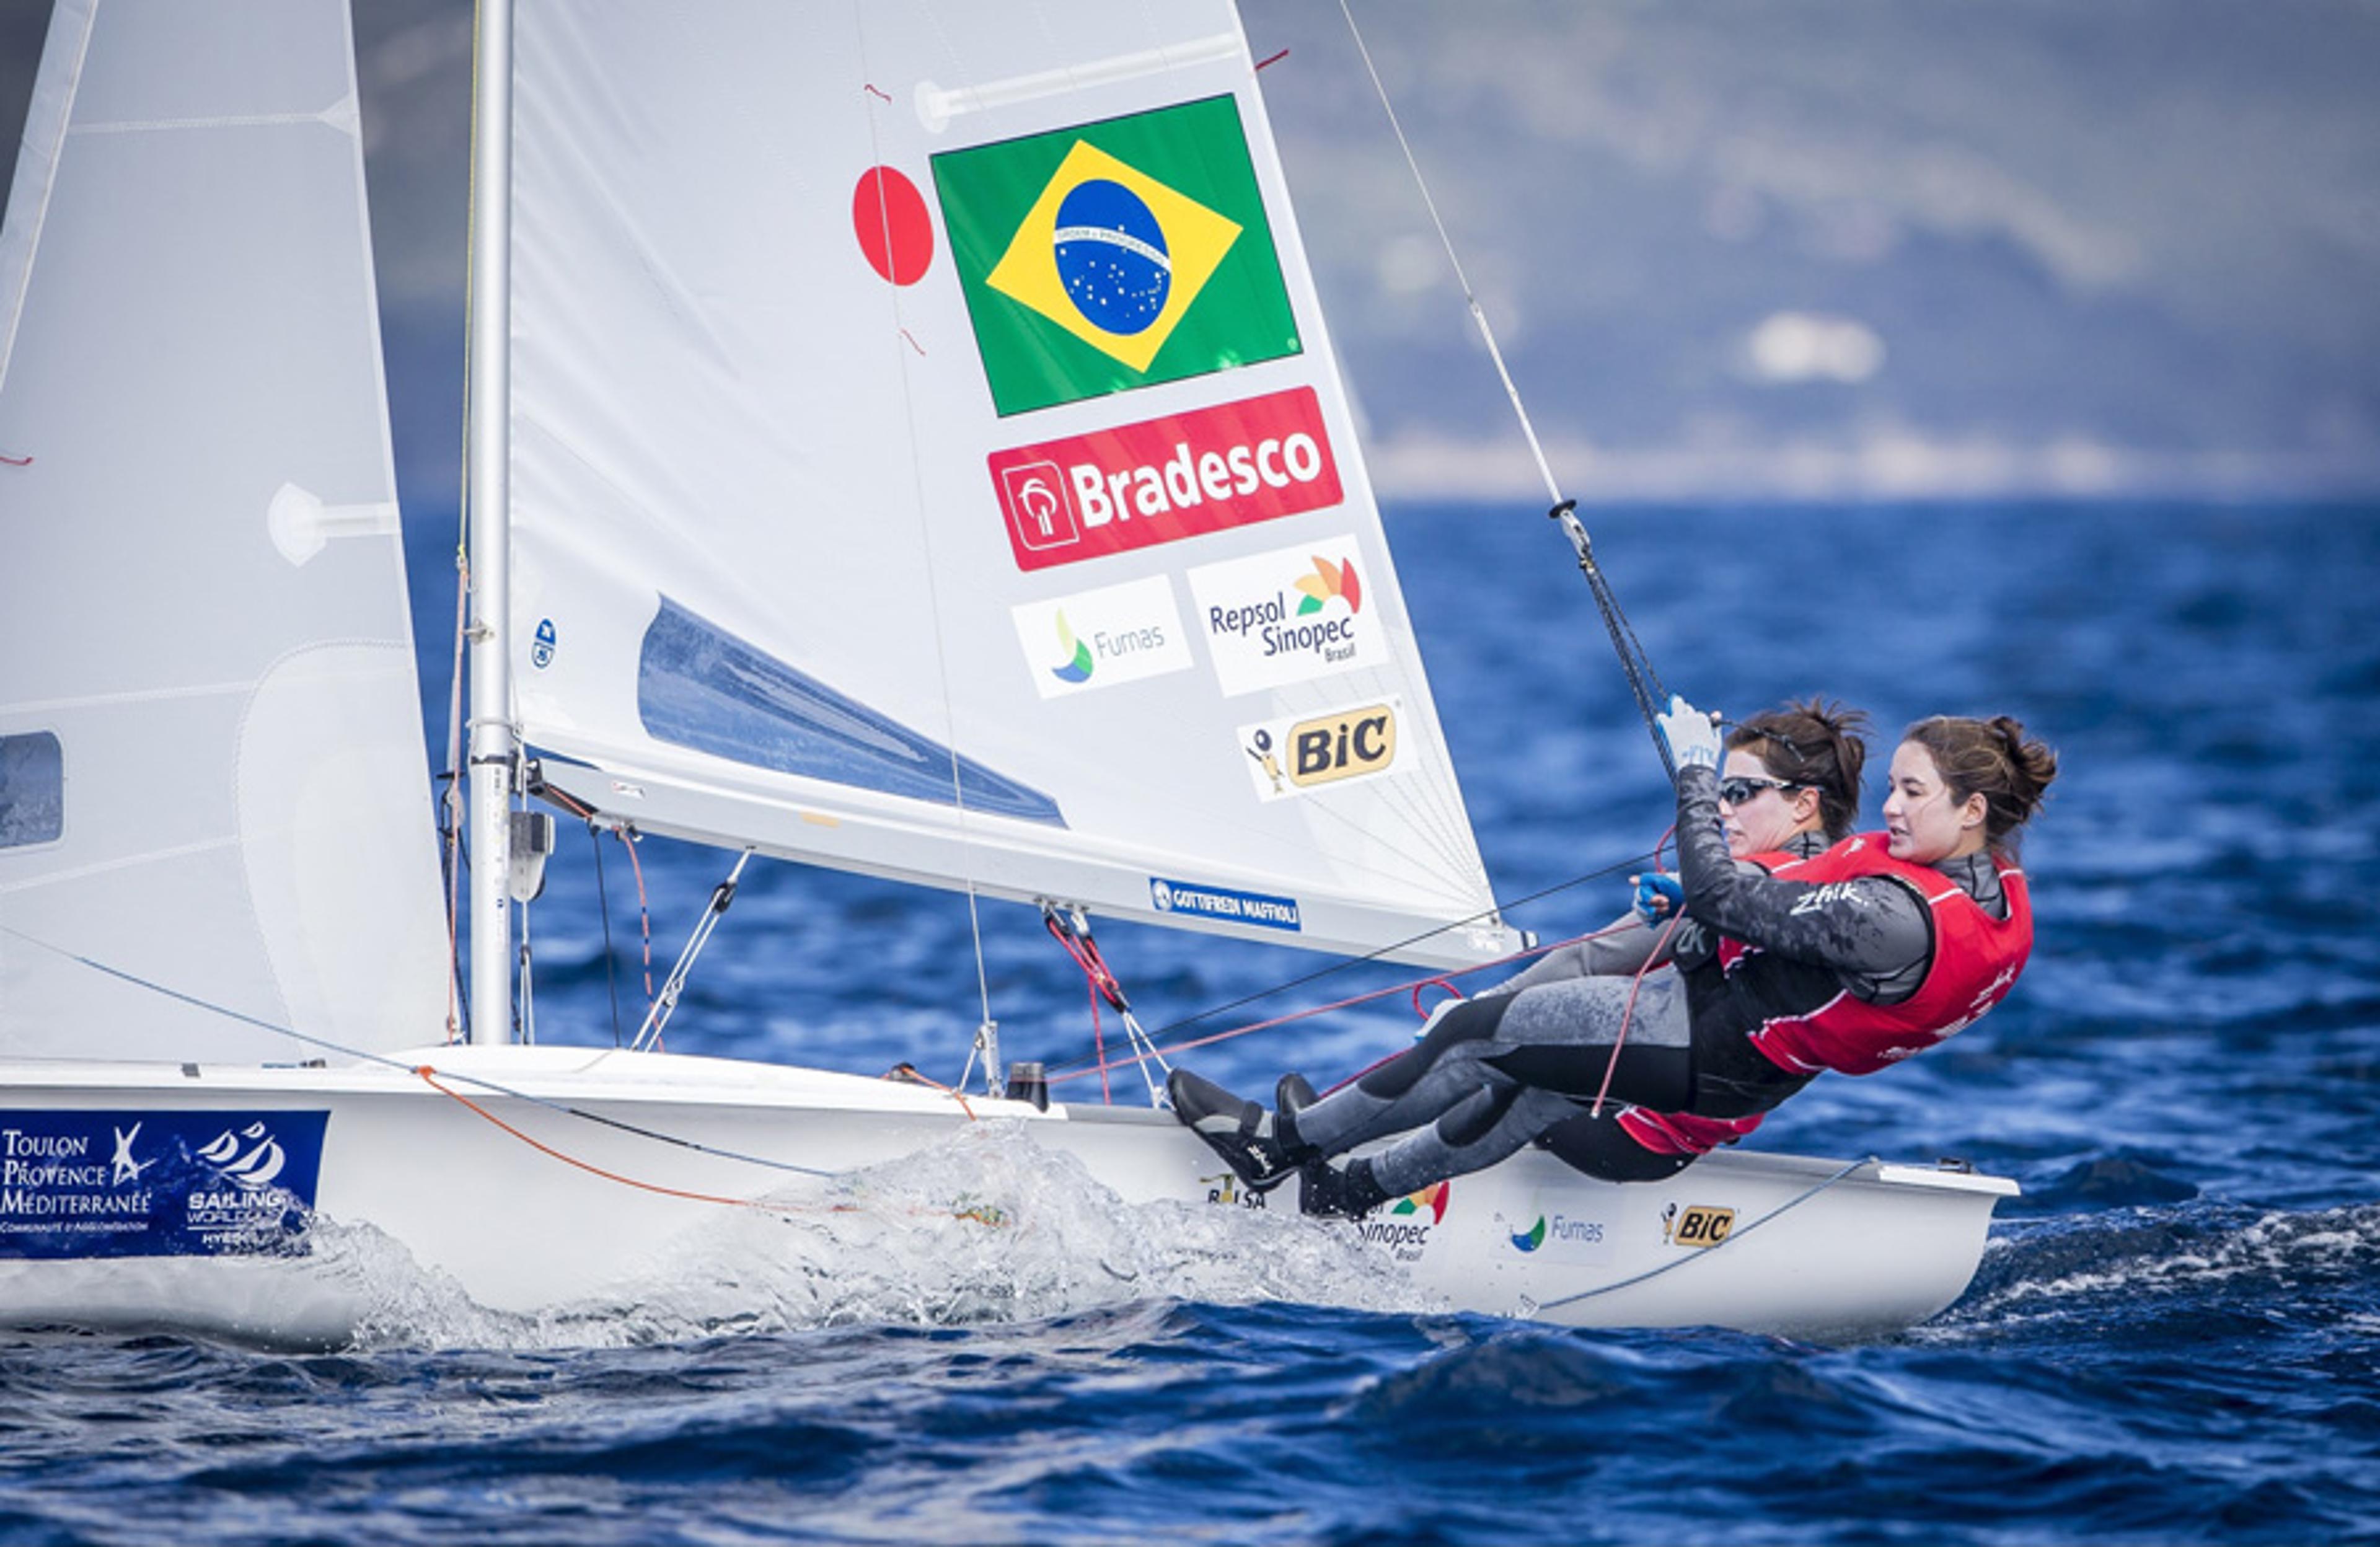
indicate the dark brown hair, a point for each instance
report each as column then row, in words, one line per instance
column 1991, row 757
column 1813, row 743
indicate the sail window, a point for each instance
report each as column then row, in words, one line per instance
column 699, row 686
column 32, row 790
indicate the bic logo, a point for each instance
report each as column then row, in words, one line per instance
column 1288, row 758
column 1701, row 1225
column 1342, row 746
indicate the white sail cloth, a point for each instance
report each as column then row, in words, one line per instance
column 212, row 773
column 929, row 458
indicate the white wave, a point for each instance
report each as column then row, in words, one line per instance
column 987, row 1228
column 2146, row 1255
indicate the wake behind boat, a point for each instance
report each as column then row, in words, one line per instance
column 912, row 446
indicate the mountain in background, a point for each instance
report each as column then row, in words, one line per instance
column 1737, row 249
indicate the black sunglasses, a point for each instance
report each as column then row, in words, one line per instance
column 1740, row 791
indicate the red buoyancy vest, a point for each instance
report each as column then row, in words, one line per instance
column 1682, row 1133
column 1977, row 959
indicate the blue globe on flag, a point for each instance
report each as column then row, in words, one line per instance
column 1111, row 257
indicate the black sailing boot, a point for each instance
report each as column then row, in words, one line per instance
column 1291, row 1096
column 1240, row 1131
column 1339, row 1189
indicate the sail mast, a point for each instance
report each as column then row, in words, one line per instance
column 495, row 749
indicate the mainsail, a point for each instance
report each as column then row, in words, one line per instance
column 929, row 458
column 212, row 773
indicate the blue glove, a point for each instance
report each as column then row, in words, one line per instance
column 1658, row 898
column 1691, row 736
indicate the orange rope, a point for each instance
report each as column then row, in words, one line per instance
column 909, row 1073
column 430, row 1077
column 980, row 1213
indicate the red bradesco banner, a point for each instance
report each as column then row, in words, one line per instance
column 1137, row 485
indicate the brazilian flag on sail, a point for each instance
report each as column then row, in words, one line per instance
column 1114, row 255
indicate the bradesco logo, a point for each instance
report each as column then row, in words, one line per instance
column 1290, row 757
column 1136, row 485
column 1289, row 615
column 1096, row 639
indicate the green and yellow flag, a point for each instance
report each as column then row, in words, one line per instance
column 1116, row 254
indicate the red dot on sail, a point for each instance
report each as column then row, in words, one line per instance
column 894, row 232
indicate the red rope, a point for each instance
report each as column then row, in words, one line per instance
column 644, row 916
column 1412, row 986
column 1100, row 983
column 1628, row 1015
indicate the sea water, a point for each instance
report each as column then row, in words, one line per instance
column 2174, row 1336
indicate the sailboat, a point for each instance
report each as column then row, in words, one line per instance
column 904, row 441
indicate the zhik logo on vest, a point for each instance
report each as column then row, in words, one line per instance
column 1291, row 756
column 1290, row 615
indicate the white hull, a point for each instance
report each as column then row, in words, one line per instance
column 1863, row 1251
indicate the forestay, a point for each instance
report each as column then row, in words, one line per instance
column 929, row 458
column 212, row 773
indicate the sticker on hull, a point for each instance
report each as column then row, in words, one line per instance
column 81, row 1183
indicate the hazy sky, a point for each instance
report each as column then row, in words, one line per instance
column 1734, row 247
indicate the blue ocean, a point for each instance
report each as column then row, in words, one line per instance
column 2174, row 1336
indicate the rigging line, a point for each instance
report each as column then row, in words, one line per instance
column 1413, row 987
column 1632, row 660
column 364, row 1056
column 603, row 900
column 933, row 600
column 452, row 813
column 1350, row 962
column 1528, row 430
column 1732, row 1237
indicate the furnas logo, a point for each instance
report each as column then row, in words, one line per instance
column 1700, row 1225
column 1290, row 757
column 1290, row 615
column 1558, row 1232
column 1161, row 479
column 1098, row 638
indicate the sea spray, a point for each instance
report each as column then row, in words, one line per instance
column 985, row 1227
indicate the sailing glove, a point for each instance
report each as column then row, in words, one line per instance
column 1690, row 735
column 1659, row 895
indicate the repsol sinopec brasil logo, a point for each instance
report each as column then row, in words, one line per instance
column 1289, row 615
column 1404, row 1226
column 1161, row 479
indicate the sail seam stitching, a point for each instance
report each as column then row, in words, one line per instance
column 83, row 872
column 105, row 700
